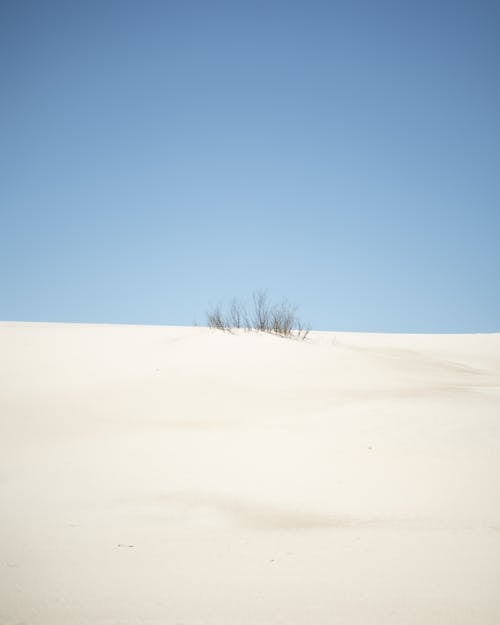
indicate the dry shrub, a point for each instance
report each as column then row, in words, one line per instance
column 264, row 316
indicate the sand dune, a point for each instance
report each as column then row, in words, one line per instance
column 168, row 475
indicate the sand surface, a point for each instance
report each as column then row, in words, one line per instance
column 183, row 476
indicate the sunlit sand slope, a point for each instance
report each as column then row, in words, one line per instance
column 161, row 475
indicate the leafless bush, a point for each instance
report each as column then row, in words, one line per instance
column 235, row 314
column 216, row 319
column 283, row 319
column 262, row 312
column 263, row 316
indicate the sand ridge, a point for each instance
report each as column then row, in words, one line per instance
column 183, row 475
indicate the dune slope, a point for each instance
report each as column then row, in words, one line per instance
column 166, row 475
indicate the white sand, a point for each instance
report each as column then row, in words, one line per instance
column 170, row 476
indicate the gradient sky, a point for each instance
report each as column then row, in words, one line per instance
column 158, row 157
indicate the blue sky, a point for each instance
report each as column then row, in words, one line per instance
column 159, row 157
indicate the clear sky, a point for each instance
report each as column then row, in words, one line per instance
column 158, row 157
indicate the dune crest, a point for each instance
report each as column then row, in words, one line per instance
column 163, row 475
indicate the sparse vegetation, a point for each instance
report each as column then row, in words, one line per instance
column 263, row 316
